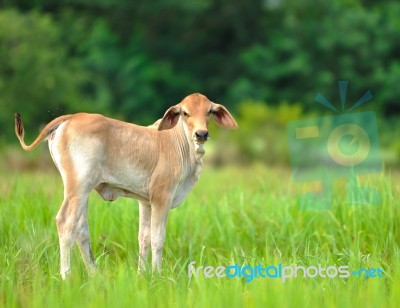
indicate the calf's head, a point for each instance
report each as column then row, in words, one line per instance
column 195, row 111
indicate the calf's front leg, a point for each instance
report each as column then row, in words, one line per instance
column 144, row 234
column 159, row 214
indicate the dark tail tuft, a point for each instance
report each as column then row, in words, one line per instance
column 19, row 127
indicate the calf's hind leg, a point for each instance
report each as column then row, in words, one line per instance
column 83, row 241
column 72, row 225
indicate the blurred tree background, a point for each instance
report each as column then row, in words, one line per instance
column 133, row 59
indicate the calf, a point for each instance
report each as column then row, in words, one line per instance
column 157, row 165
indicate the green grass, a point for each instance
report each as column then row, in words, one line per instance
column 233, row 216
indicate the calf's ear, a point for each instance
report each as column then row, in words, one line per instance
column 222, row 117
column 170, row 118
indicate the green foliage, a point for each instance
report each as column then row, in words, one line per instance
column 261, row 136
column 37, row 77
column 315, row 45
column 132, row 60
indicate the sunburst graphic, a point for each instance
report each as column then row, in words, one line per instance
column 343, row 84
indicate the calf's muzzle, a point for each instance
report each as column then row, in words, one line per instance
column 201, row 135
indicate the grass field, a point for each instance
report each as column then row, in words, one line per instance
column 233, row 216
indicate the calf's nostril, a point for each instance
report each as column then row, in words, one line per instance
column 201, row 134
